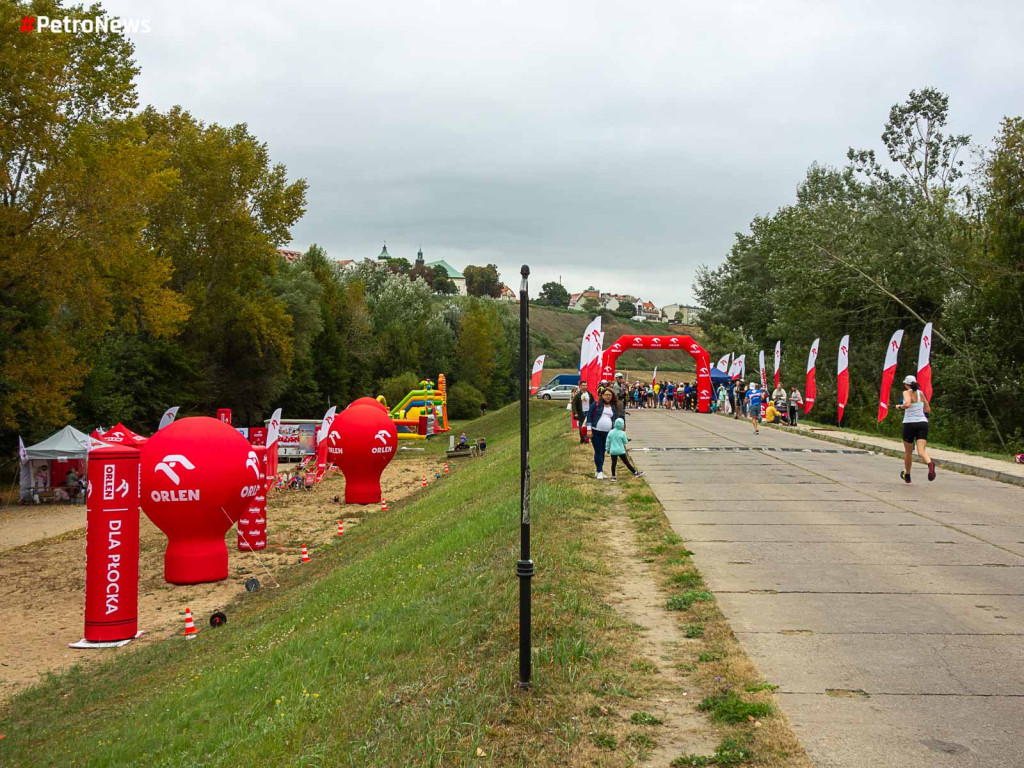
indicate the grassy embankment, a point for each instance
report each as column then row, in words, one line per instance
column 396, row 645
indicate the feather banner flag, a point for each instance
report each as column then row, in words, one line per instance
column 169, row 415
column 723, row 364
column 888, row 373
column 778, row 360
column 738, row 369
column 843, row 375
column 591, row 354
column 764, row 371
column 811, row 388
column 924, row 362
column 538, row 370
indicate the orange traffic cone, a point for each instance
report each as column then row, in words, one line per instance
column 190, row 626
column 341, row 527
column 424, row 481
column 383, row 505
column 446, row 467
column 305, row 554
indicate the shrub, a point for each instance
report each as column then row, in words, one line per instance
column 729, row 707
column 464, row 401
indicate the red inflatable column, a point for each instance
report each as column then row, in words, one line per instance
column 252, row 526
column 364, row 440
column 112, row 545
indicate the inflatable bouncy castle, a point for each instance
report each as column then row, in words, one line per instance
column 423, row 412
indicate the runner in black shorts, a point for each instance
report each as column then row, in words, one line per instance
column 915, row 427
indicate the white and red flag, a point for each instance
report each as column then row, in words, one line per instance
column 591, row 354
column 924, row 362
column 843, row 375
column 538, row 371
column 654, row 378
column 778, row 360
column 535, row 377
column 888, row 373
column 723, row 364
column 169, row 415
column 764, row 371
column 22, row 453
column 739, row 368
column 273, row 432
column 325, row 424
column 811, row 387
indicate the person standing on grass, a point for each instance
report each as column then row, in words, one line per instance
column 796, row 401
column 603, row 415
column 915, row 409
column 754, row 395
column 581, row 403
column 617, row 448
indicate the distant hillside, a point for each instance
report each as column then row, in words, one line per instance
column 557, row 333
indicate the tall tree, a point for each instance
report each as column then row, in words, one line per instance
column 483, row 281
column 553, row 295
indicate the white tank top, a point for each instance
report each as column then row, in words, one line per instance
column 914, row 414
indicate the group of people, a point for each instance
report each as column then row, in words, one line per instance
column 670, row 395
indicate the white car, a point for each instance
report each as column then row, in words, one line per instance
column 559, row 392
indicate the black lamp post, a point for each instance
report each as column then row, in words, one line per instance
column 524, row 566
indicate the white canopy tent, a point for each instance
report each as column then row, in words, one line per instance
column 68, row 444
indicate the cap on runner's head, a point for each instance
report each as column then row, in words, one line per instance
column 618, row 375
column 909, row 380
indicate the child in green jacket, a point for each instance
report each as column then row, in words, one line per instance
column 617, row 448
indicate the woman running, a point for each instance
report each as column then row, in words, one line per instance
column 915, row 409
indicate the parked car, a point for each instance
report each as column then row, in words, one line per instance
column 559, row 392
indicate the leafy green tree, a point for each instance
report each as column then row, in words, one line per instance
column 443, row 284
column 424, row 273
column 399, row 265
column 591, row 305
column 625, row 309
column 553, row 295
column 483, row 281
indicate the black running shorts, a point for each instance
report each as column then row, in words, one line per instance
column 914, row 431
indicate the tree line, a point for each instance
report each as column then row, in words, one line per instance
column 932, row 231
column 139, row 265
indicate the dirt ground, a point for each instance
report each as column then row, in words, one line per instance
column 42, row 582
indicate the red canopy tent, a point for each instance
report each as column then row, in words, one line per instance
column 119, row 434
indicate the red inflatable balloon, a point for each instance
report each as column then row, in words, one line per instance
column 368, row 401
column 362, row 441
column 199, row 476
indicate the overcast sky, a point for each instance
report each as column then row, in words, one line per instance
column 614, row 144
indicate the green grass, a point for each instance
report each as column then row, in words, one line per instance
column 730, row 707
column 396, row 646
column 730, row 752
column 644, row 718
column 684, row 600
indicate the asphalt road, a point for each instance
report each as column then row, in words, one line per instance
column 891, row 616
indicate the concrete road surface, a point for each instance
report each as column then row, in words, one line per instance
column 891, row 616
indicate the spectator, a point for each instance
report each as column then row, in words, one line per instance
column 603, row 415
column 779, row 397
column 796, row 401
column 617, row 440
column 581, row 403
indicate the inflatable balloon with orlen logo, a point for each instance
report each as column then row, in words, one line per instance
column 199, row 475
column 368, row 401
column 362, row 441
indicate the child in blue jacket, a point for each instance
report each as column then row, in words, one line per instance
column 617, row 448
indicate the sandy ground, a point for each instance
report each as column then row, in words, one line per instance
column 42, row 570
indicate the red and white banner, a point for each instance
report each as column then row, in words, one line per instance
column 811, row 387
column 224, row 414
column 888, row 373
column 764, row 371
column 924, row 362
column 321, row 442
column 654, row 378
column 325, row 422
column 843, row 375
column 738, row 369
column 22, row 453
column 778, row 360
column 273, row 432
column 112, row 544
column 591, row 353
column 169, row 415
column 723, row 364
column 538, row 371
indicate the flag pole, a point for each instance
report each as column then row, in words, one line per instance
column 524, row 566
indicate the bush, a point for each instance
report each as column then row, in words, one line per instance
column 464, row 401
column 397, row 387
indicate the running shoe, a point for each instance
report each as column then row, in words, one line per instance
column 600, row 475
column 638, row 474
column 613, row 478
column 931, row 470
column 906, row 476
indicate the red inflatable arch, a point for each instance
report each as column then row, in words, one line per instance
column 682, row 343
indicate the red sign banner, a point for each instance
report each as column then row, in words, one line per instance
column 112, row 544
